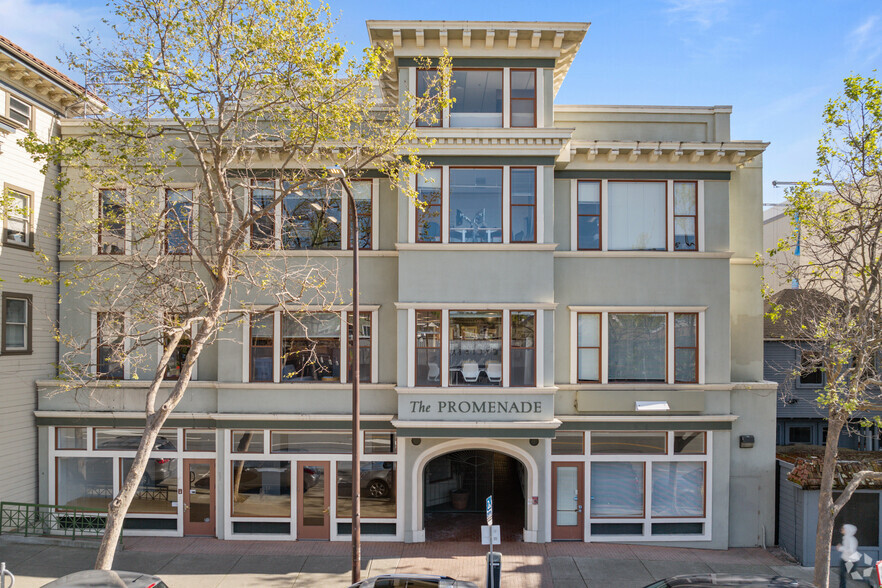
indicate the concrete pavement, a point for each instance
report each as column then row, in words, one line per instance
column 209, row 563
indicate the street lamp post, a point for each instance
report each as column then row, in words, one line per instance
column 356, row 377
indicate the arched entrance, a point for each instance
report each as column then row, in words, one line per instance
column 455, row 486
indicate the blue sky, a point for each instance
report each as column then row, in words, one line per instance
column 775, row 61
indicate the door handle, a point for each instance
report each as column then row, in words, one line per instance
column 186, row 506
column 327, row 510
column 579, row 508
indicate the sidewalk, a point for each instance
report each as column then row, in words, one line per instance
column 210, row 563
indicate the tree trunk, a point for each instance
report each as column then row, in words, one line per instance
column 826, row 511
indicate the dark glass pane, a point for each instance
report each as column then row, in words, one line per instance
column 478, row 98
column 861, row 510
column 684, row 365
column 364, row 347
column 113, row 222
column 157, row 491
column 637, row 347
column 362, row 194
column 428, row 348
column 568, row 444
column 522, row 352
column 589, row 232
column 178, row 219
column 689, row 442
column 799, row 435
column 263, row 231
column 311, row 218
column 425, row 78
column 310, row 442
column 628, row 443
column 522, row 113
column 523, row 84
column 311, row 347
column 522, row 229
column 247, row 442
column 428, row 218
column 262, row 348
column 476, row 205
column 261, row 488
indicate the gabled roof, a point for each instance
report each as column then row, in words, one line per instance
column 800, row 303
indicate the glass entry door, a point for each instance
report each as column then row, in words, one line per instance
column 314, row 500
column 199, row 497
column 567, row 502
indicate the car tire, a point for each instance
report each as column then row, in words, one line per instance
column 377, row 488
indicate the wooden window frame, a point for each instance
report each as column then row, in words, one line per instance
column 512, row 205
column 643, row 513
column 439, row 206
column 512, row 99
column 439, row 347
column 189, row 227
column 664, row 433
column 568, row 456
column 676, row 347
column 599, row 216
column 28, row 349
column 649, row 516
column 674, row 451
column 9, row 98
column 511, row 346
column 253, row 240
column 501, row 204
column 102, row 229
column 350, row 239
column 694, row 217
column 599, row 347
column 419, row 121
column 272, row 346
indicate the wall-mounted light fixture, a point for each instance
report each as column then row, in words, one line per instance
column 416, row 440
column 745, row 441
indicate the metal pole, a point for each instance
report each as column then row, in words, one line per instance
column 356, row 377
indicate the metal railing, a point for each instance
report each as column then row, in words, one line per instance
column 22, row 518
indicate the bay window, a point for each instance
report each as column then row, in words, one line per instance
column 588, row 215
column 475, row 348
column 427, row 86
column 477, row 95
column 639, row 347
column 476, row 205
column 307, row 347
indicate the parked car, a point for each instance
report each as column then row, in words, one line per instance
column 730, row 580
column 412, row 581
column 107, row 579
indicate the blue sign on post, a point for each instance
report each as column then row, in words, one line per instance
column 490, row 510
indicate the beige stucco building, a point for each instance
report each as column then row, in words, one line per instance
column 573, row 324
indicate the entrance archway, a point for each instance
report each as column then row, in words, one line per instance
column 497, row 467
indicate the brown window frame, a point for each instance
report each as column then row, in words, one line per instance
column 99, row 345
column 439, row 206
column 512, row 99
column 501, row 203
column 694, row 217
column 703, row 434
column 370, row 232
column 364, row 378
column 599, row 346
column 696, row 348
column 439, row 347
column 643, row 513
column 512, row 206
column 511, row 346
column 272, row 345
column 189, row 228
column 28, row 349
column 28, row 218
column 255, row 241
column 599, row 216
column 102, row 230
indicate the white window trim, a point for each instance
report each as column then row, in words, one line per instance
column 27, row 218
column 159, row 346
column 605, row 311
column 127, row 239
column 604, row 218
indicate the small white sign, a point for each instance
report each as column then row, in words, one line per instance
column 485, row 535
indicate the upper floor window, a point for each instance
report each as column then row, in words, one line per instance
column 811, row 372
column 476, row 205
column 523, row 205
column 424, row 85
column 624, row 215
column 17, row 323
column 263, row 231
column 477, row 95
column 178, row 220
column 428, row 215
column 21, row 112
column 179, row 355
column 362, row 194
column 110, row 345
column 112, row 219
column 477, row 352
column 637, row 347
column 17, row 222
column 523, row 98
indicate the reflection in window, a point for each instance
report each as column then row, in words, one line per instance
column 523, row 97
column 475, row 205
column 629, row 443
column 311, row 217
column 428, row 215
column 130, row 439
column 158, row 487
column 263, row 231
column 17, row 218
column 178, row 221
column 588, row 212
column 111, row 345
column 637, row 347
column 428, row 347
column 428, row 87
column 685, row 216
column 84, row 481
column 179, row 355
column 475, row 348
column 617, row 489
column 379, row 443
column 247, row 441
column 477, row 96
column 588, row 343
column 364, row 347
column 70, row 438
column 362, row 194
column 310, row 442
column 523, row 348
column 523, row 205
column 677, row 489
column 637, row 216
column 16, row 323
column 811, row 369
column 311, row 347
column 196, row 440
column 261, row 347
column 689, row 442
column 261, row 488
column 112, row 230
column 377, row 489
column 686, row 347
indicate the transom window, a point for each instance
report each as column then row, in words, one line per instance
column 637, row 347
column 476, row 352
column 17, row 220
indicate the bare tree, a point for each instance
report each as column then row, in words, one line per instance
column 840, row 262
column 220, row 97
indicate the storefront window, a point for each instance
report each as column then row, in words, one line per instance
column 196, row 440
column 475, row 348
column 84, row 481
column 261, row 488
column 617, row 489
column 130, row 439
column 377, row 489
column 158, row 488
column 677, row 489
column 310, row 442
column 690, row 442
column 247, row 442
column 629, row 443
column 379, row 443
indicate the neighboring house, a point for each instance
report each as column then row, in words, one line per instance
column 574, row 324
column 33, row 96
column 789, row 362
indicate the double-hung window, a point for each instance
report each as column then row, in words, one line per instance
column 588, row 215
column 21, row 112
column 17, row 221
column 112, row 222
column 477, row 95
column 639, row 347
column 263, row 231
column 686, row 216
column 110, row 345
column 523, row 205
column 17, row 323
column 307, row 347
column 481, row 348
column 178, row 220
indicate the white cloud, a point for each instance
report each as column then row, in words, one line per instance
column 704, row 13
column 864, row 40
column 42, row 28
